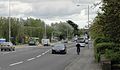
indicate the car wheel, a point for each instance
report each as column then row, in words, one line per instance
column 1, row 49
column 9, row 49
column 13, row 49
column 53, row 52
column 64, row 52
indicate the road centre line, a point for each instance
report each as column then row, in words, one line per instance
column 16, row 63
column 30, row 59
column 38, row 56
column 43, row 53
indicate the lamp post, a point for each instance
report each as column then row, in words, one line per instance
column 9, row 21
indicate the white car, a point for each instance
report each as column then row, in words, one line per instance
column 46, row 42
column 81, row 41
column 7, row 46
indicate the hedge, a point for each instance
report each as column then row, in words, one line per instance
column 102, row 40
column 113, row 56
column 101, row 48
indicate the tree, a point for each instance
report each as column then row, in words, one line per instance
column 75, row 26
column 63, row 30
column 111, row 9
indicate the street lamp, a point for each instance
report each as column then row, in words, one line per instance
column 9, row 20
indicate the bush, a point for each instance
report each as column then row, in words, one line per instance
column 97, row 57
column 101, row 40
column 113, row 56
column 101, row 47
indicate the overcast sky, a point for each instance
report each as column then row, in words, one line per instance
column 51, row 10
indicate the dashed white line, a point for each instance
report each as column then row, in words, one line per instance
column 16, row 63
column 43, row 53
column 38, row 56
column 30, row 59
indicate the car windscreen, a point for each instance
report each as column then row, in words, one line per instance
column 59, row 46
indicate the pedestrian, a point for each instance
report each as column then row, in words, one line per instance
column 78, row 48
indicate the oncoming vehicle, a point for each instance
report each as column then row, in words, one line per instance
column 33, row 41
column 81, row 40
column 45, row 42
column 59, row 48
column 7, row 46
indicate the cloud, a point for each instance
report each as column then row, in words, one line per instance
column 50, row 10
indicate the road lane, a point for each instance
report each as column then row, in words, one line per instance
column 15, row 57
column 48, row 62
column 25, row 58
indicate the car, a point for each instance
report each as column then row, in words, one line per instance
column 86, row 41
column 33, row 41
column 81, row 40
column 7, row 46
column 59, row 48
column 45, row 42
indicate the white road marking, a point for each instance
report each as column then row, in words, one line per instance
column 16, row 63
column 38, row 56
column 43, row 53
column 30, row 59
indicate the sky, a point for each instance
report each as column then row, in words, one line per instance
column 51, row 11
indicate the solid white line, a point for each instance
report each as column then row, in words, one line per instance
column 16, row 63
column 30, row 59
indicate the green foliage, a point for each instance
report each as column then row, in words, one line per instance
column 97, row 57
column 101, row 47
column 75, row 26
column 101, row 40
column 112, row 55
column 63, row 30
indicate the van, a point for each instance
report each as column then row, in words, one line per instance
column 45, row 42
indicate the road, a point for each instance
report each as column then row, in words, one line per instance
column 36, row 58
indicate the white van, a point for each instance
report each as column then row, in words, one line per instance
column 45, row 42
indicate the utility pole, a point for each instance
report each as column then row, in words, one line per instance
column 88, row 24
column 88, row 16
column 45, row 32
column 9, row 21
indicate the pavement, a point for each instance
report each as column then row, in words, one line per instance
column 85, row 61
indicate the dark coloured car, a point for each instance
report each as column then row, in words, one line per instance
column 59, row 48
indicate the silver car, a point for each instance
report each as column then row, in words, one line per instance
column 59, row 48
column 7, row 46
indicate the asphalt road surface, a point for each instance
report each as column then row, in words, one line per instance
column 36, row 58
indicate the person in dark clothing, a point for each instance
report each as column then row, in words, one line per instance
column 78, row 48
